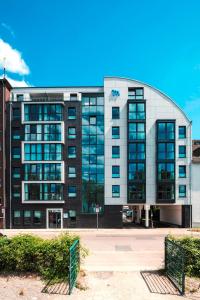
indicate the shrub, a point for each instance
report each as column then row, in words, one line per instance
column 191, row 247
column 27, row 253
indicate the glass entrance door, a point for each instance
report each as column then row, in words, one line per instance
column 54, row 218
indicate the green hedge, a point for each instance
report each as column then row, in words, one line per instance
column 191, row 246
column 27, row 253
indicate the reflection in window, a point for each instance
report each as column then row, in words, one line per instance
column 166, row 171
column 43, row 112
column 43, row 191
column 166, row 130
column 92, row 153
column 115, row 191
column 182, row 132
column 136, row 111
column 136, row 131
column 115, row 132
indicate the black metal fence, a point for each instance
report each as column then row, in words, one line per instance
column 175, row 264
column 74, row 264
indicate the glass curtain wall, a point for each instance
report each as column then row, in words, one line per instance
column 92, row 153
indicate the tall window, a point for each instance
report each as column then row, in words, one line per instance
column 115, row 132
column 115, row 191
column 115, row 152
column 182, row 132
column 182, row 171
column 182, row 191
column 16, row 113
column 71, row 172
column 182, row 151
column 115, row 113
column 71, row 132
column 92, row 152
column 16, row 172
column 71, row 113
column 27, row 217
column 17, row 217
column 16, row 134
column 37, row 217
column 115, row 171
column 71, row 191
column 166, row 161
column 71, row 152
column 16, row 152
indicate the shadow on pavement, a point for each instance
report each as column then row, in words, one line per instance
column 158, row 283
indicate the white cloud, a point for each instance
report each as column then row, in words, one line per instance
column 13, row 59
column 16, row 83
column 7, row 27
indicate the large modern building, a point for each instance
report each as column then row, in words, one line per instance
column 68, row 153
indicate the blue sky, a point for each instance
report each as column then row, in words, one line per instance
column 77, row 42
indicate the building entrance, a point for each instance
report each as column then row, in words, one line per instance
column 54, row 218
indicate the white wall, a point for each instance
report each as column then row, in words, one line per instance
column 196, row 194
column 171, row 214
column 158, row 106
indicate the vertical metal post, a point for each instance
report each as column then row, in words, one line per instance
column 97, row 220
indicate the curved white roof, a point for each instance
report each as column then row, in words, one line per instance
column 154, row 89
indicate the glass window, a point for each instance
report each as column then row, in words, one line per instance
column 72, row 215
column 17, row 217
column 16, row 113
column 71, row 132
column 115, row 152
column 166, row 191
column 27, row 217
column 20, row 97
column 136, row 151
column 115, row 132
column 71, row 172
column 16, row 134
column 71, row 113
column 166, row 130
column 136, row 192
column 93, row 120
column 182, row 191
column 71, row 152
column 52, row 151
column 136, row 131
column 135, row 93
column 182, row 151
column 166, row 151
column 115, row 171
column 71, row 191
column 43, row 112
column 33, row 132
column 52, row 132
column 37, row 217
column 166, row 171
column 43, row 191
column 35, row 152
column 16, row 191
column 182, row 171
column 136, row 111
column 115, row 191
column 115, row 113
column 16, row 172
column 136, row 171
column 16, row 152
column 182, row 132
